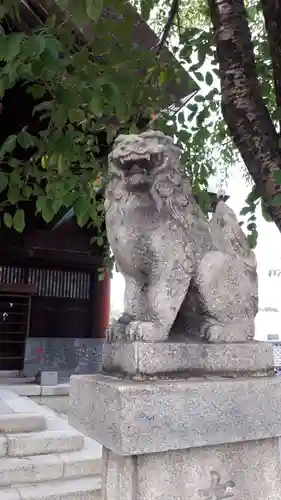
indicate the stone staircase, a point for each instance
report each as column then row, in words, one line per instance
column 41, row 460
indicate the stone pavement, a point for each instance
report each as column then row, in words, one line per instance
column 42, row 457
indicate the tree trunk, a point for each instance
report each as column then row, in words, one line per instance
column 243, row 108
column 272, row 16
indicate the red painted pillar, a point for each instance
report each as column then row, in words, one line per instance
column 104, row 302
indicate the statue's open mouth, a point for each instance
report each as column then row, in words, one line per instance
column 136, row 164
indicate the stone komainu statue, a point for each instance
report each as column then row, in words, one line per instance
column 183, row 274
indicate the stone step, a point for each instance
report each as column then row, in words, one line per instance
column 41, row 468
column 16, row 380
column 79, row 489
column 9, row 373
column 45, row 442
column 13, row 423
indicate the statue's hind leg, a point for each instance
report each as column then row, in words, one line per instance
column 228, row 298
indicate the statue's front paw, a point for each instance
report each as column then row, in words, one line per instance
column 146, row 331
column 231, row 332
column 117, row 330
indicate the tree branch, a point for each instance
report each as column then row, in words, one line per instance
column 243, row 108
column 272, row 16
column 174, row 10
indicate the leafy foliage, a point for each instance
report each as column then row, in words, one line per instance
column 82, row 96
column 87, row 91
column 209, row 144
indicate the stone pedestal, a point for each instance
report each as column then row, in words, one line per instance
column 183, row 438
column 188, row 358
column 241, row 471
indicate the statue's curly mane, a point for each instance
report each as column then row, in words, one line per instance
column 171, row 189
column 169, row 185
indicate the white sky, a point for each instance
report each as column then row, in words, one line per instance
column 268, row 250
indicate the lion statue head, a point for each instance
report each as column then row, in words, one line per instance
column 148, row 162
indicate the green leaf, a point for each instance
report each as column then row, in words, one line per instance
column 14, row 163
column 96, row 106
column 276, row 200
column 27, row 191
column 3, row 181
column 181, row 117
column 76, row 115
column 39, row 45
column 34, row 45
column 252, row 239
column 200, row 119
column 47, row 211
column 40, row 203
column 146, row 7
column 184, row 136
column 53, row 48
column 134, row 129
column 37, row 91
column 101, row 276
column 94, row 9
column 25, row 140
column 209, row 78
column 81, row 206
column 199, row 98
column 19, row 220
column 252, row 226
column 265, row 212
column 245, row 210
column 253, row 195
column 202, row 52
column 56, row 205
column 111, row 133
column 199, row 76
column 42, row 106
column 162, row 78
column 11, row 46
column 276, row 114
column 9, row 145
column 8, row 220
column 38, row 191
column 69, row 184
column 69, row 199
column 15, row 178
column 13, row 194
column 82, row 219
column 78, row 10
column 192, row 107
column 277, row 176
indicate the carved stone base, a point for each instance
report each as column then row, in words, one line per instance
column 240, row 471
column 183, row 439
column 186, row 358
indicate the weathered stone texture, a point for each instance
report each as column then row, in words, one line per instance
column 185, row 357
column 132, row 418
column 182, row 273
column 241, row 471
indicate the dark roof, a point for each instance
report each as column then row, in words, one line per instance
column 178, row 89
